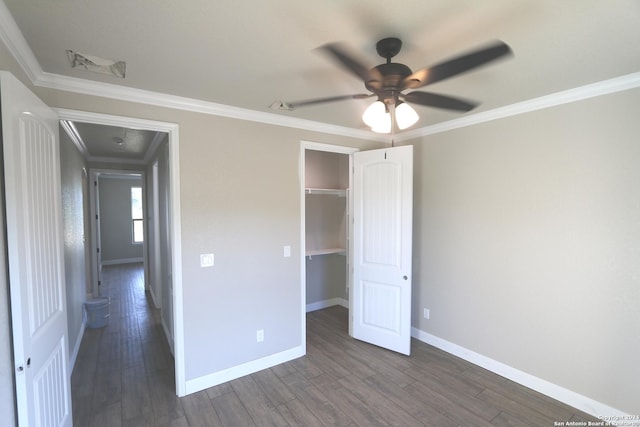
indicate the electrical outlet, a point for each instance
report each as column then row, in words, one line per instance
column 427, row 313
column 260, row 335
column 206, row 260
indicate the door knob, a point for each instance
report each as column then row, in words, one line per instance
column 404, row 277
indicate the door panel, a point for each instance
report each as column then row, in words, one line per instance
column 383, row 195
column 35, row 253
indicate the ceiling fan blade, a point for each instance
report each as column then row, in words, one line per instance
column 439, row 101
column 293, row 105
column 338, row 52
column 457, row 65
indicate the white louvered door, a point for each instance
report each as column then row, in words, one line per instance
column 35, row 253
column 382, row 234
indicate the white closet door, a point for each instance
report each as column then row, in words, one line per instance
column 36, row 259
column 383, row 202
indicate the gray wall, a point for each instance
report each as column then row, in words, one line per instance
column 116, row 233
column 527, row 243
column 163, row 287
column 165, row 240
column 73, row 182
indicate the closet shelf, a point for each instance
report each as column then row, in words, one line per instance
column 327, row 251
column 342, row 192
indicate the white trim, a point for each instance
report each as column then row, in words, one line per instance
column 21, row 51
column 317, row 146
column 123, row 93
column 153, row 147
column 74, row 135
column 19, row 48
column 168, row 335
column 238, row 371
column 17, row 44
column 76, row 348
column 571, row 398
column 96, row 259
column 175, row 234
column 113, row 120
column 122, row 261
column 155, row 300
column 327, row 303
column 605, row 87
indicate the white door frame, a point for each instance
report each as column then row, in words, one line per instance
column 154, row 240
column 96, row 238
column 175, row 232
column 340, row 149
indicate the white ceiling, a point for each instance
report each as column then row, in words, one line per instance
column 113, row 144
column 249, row 53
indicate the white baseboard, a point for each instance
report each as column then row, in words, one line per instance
column 235, row 372
column 153, row 297
column 167, row 335
column 76, row 348
column 578, row 401
column 122, row 261
column 327, row 303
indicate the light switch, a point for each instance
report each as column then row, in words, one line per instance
column 206, row 260
column 287, row 251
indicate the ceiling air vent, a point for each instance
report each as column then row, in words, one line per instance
column 80, row 61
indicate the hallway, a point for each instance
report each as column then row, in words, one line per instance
column 124, row 373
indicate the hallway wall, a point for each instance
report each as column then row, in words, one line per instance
column 72, row 179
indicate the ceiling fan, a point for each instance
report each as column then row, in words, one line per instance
column 388, row 82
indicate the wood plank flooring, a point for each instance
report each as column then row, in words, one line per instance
column 124, row 376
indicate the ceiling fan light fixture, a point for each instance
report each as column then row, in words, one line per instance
column 383, row 125
column 374, row 114
column 406, row 116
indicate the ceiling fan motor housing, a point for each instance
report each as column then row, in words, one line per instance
column 393, row 75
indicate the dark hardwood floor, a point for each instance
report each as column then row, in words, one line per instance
column 124, row 376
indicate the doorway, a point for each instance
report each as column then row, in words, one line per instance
column 326, row 183
column 378, row 240
column 164, row 208
column 117, row 209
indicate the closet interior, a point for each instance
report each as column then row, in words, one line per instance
column 326, row 228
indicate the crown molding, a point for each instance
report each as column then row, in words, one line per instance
column 19, row 48
column 12, row 37
column 153, row 147
column 74, row 136
column 605, row 87
column 124, row 93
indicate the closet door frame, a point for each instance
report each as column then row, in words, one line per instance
column 316, row 146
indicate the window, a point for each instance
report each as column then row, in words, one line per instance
column 137, row 218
